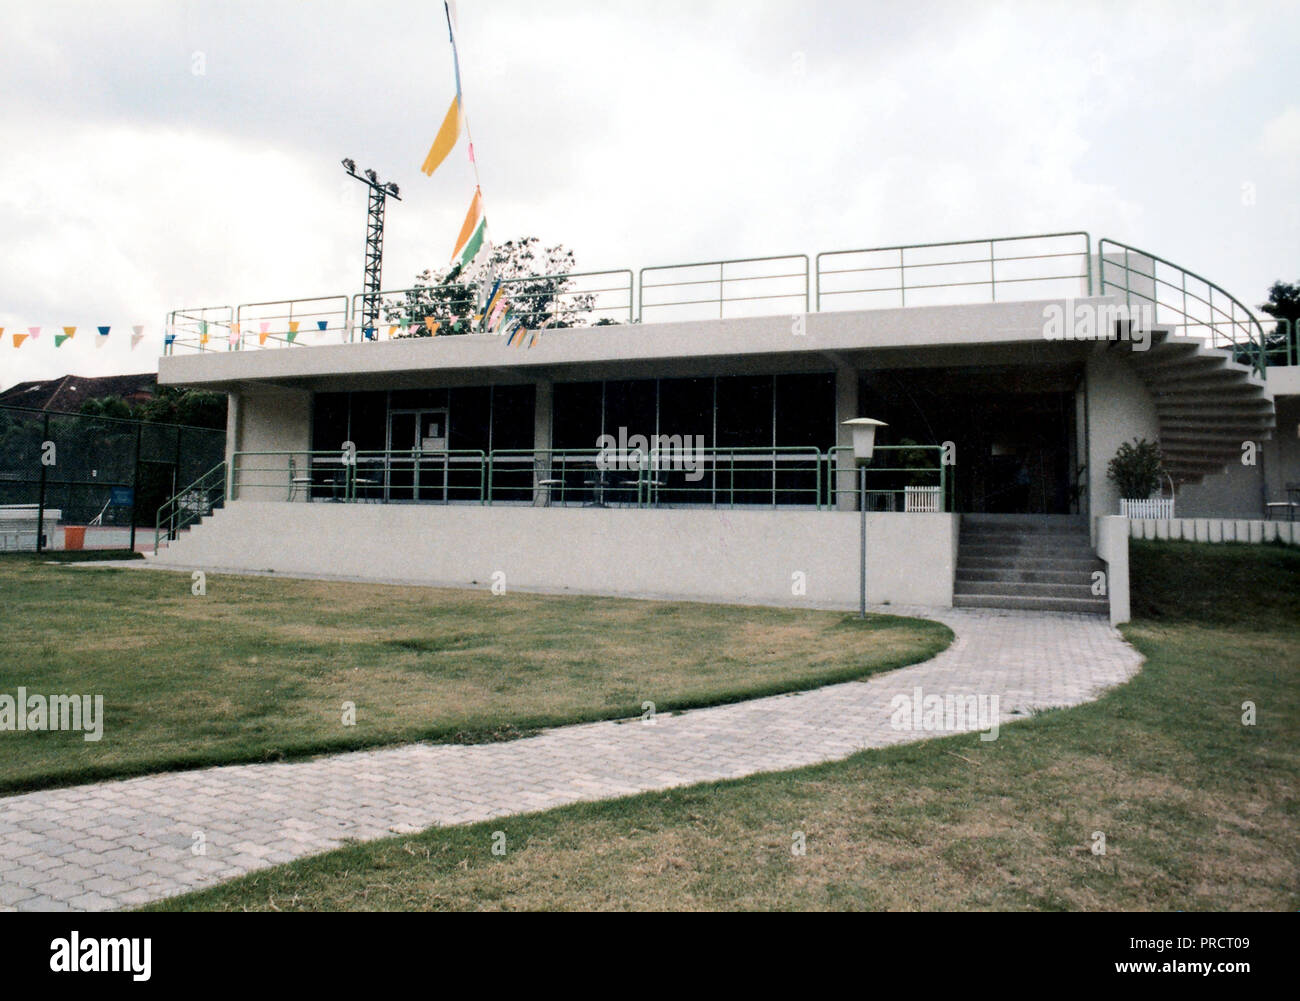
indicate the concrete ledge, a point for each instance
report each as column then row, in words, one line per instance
column 790, row 558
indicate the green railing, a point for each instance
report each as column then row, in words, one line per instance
column 376, row 477
column 934, row 494
column 195, row 501
column 686, row 477
column 714, row 477
column 1202, row 310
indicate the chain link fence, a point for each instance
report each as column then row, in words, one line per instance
column 73, row 481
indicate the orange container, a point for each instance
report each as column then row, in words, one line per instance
column 74, row 537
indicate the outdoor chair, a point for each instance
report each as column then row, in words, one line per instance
column 1291, row 505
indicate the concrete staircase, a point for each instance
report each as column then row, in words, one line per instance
column 1042, row 562
column 1207, row 403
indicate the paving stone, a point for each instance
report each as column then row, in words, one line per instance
column 124, row 843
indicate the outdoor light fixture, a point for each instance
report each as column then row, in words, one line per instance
column 864, row 436
column 864, row 447
column 379, row 193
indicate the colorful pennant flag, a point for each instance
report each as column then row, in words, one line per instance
column 169, row 337
column 320, row 326
column 137, row 335
column 203, row 331
column 449, row 133
column 432, row 326
column 19, row 338
column 103, row 331
column 445, row 141
column 293, row 331
column 68, row 334
column 368, row 333
column 34, row 332
column 263, row 327
column 102, row 339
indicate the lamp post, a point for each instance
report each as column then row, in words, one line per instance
column 864, row 446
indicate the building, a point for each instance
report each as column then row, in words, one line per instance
column 1007, row 372
column 67, row 393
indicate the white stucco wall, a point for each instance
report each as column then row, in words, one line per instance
column 268, row 420
column 1119, row 410
column 733, row 556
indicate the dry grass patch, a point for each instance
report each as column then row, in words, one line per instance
column 259, row 668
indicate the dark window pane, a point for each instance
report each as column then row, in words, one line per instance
column 329, row 427
column 369, row 425
column 576, row 415
column 630, row 404
column 512, row 416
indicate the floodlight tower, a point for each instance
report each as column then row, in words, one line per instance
column 379, row 194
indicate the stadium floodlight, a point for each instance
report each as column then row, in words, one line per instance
column 379, row 193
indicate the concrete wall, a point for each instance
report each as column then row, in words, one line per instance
column 1119, row 410
column 1112, row 546
column 268, row 420
column 733, row 556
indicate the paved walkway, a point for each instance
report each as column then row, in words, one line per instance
column 117, row 844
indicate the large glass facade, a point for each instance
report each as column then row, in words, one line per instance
column 736, row 440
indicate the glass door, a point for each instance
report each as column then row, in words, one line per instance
column 417, row 464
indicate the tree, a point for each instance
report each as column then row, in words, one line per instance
column 1137, row 469
column 174, row 405
column 534, row 284
column 1283, row 344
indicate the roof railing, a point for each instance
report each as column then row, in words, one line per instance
column 994, row 269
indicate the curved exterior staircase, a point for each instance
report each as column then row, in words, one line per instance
column 1208, row 404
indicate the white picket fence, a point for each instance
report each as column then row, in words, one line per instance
column 1154, row 507
column 1250, row 530
column 921, row 499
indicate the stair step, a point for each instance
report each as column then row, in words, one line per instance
column 1096, row 606
column 1024, row 589
column 1014, row 576
column 1018, row 563
column 1021, row 548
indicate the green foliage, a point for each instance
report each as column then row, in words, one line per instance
column 1284, row 306
column 539, row 294
column 195, row 407
column 1137, row 469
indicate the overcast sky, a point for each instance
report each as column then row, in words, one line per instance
column 186, row 153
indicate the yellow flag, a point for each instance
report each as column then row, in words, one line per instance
column 445, row 140
column 471, row 218
column 433, row 325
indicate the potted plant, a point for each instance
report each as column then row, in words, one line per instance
column 1137, row 470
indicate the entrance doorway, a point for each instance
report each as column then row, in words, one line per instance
column 415, row 468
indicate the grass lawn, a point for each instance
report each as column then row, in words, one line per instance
column 1198, row 810
column 259, row 669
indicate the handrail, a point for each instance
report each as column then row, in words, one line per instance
column 1008, row 266
column 902, row 266
column 722, row 282
column 1253, row 331
column 946, row 484
column 174, row 513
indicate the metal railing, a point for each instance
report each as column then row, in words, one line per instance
column 900, row 492
column 761, row 281
column 191, row 503
column 1281, row 345
column 198, row 328
column 715, row 477
column 996, row 269
column 957, row 269
column 280, row 324
column 1203, row 310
